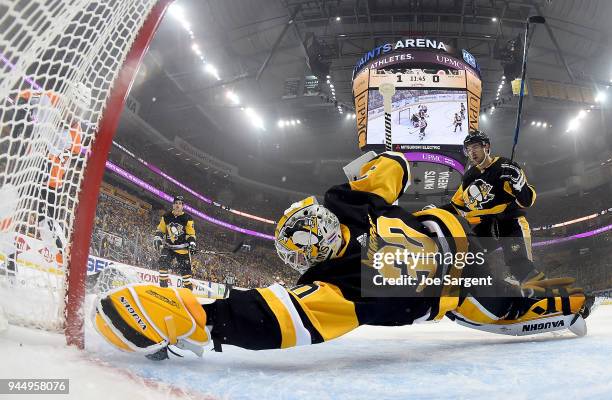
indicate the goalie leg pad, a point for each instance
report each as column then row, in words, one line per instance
column 543, row 315
column 146, row 318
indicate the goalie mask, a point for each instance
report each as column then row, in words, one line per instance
column 306, row 234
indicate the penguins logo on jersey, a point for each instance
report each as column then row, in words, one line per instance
column 175, row 231
column 478, row 194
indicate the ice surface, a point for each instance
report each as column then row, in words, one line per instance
column 442, row 361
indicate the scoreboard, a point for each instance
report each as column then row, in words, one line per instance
column 435, row 104
column 440, row 89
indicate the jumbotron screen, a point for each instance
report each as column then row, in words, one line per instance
column 419, row 115
column 434, row 102
column 431, row 85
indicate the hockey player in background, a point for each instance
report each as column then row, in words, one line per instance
column 52, row 122
column 325, row 241
column 423, row 111
column 458, row 122
column 175, row 238
column 494, row 194
column 462, row 111
column 422, row 127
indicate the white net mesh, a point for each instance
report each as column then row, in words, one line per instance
column 58, row 62
column 404, row 116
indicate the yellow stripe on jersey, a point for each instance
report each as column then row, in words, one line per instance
column 346, row 237
column 449, row 299
column 190, row 229
column 328, row 311
column 508, row 188
column 533, row 197
column 387, row 175
column 490, row 211
column 161, row 227
column 457, row 200
column 282, row 316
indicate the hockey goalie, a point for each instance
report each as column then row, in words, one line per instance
column 333, row 243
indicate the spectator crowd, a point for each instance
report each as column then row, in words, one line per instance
column 124, row 233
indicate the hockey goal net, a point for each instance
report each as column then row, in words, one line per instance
column 65, row 69
column 404, row 115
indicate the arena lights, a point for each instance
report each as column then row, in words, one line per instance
column 541, row 124
column 338, row 19
column 494, row 19
column 289, row 122
column 483, row 117
column 196, row 49
column 351, row 116
column 600, row 97
column 574, row 122
column 178, row 13
column 233, row 97
column 573, row 125
column 255, row 118
column 208, row 67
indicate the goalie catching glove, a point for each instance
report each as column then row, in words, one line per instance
column 147, row 319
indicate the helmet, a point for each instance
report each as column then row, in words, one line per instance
column 476, row 137
column 306, row 234
column 178, row 198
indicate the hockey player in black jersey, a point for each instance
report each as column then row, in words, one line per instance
column 458, row 121
column 175, row 238
column 326, row 242
column 494, row 193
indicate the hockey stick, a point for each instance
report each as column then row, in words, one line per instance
column 387, row 90
column 536, row 19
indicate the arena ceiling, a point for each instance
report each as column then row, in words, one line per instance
column 257, row 45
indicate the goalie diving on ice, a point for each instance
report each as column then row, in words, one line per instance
column 333, row 244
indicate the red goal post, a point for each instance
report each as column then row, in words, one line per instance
column 65, row 70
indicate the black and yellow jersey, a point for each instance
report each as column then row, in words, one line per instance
column 485, row 193
column 176, row 230
column 328, row 299
column 368, row 219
